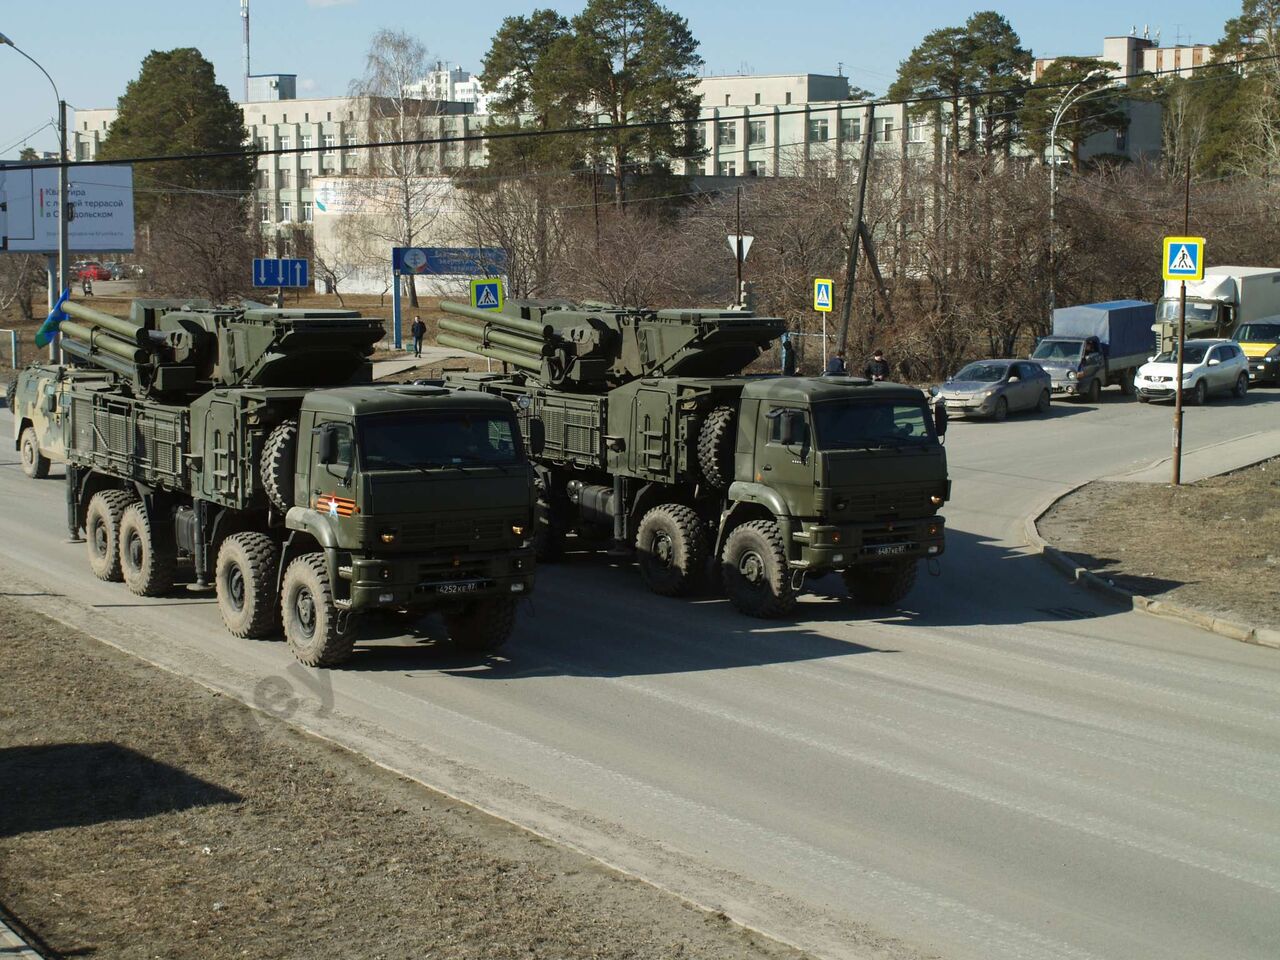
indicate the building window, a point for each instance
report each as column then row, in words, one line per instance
column 727, row 168
column 304, row 177
column 755, row 168
column 283, row 178
column 286, row 211
column 757, row 99
column 304, row 141
column 264, row 212
column 306, row 118
column 286, row 143
column 264, row 179
column 82, row 150
column 883, row 129
column 698, row 134
column 726, row 99
column 916, row 127
column 817, row 131
column 850, row 129
column 262, row 144
column 307, row 211
column 755, row 132
column 284, row 118
column 727, row 132
column 349, row 140
column 788, row 98
column 328, row 141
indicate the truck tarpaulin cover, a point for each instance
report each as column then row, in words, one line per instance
column 1123, row 327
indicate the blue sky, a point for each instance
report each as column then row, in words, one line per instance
column 92, row 49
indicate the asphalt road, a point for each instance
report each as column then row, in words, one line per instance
column 1007, row 767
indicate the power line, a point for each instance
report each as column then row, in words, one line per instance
column 807, row 110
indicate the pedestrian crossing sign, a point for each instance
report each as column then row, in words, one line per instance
column 1184, row 258
column 822, row 295
column 486, row 293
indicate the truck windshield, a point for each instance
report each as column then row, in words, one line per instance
column 1259, row 333
column 401, row 440
column 854, row 424
column 1057, row 350
column 1196, row 312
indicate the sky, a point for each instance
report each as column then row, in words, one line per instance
column 96, row 48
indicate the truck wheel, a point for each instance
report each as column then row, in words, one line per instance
column 1126, row 383
column 754, row 568
column 278, row 462
column 34, row 464
column 245, row 580
column 10, row 394
column 549, row 529
column 482, row 626
column 715, row 446
column 671, row 549
column 147, row 557
column 1095, row 391
column 309, row 615
column 881, row 586
column 102, row 532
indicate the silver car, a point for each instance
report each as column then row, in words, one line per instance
column 996, row 388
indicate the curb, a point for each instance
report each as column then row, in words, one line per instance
column 12, row 945
column 1244, row 632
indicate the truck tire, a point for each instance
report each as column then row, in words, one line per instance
column 753, row 566
column 309, row 615
column 550, row 522
column 102, row 532
column 278, row 455
column 147, row 557
column 1095, row 391
column 34, row 464
column 482, row 626
column 1127, row 386
column 10, row 394
column 671, row 549
column 715, row 446
column 245, row 581
column 881, row 586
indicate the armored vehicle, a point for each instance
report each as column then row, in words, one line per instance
column 649, row 435
column 38, row 400
column 251, row 444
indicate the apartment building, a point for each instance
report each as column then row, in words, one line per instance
column 1135, row 54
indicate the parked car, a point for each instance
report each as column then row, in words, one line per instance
column 118, row 271
column 996, row 388
column 1208, row 367
column 1260, row 341
column 94, row 271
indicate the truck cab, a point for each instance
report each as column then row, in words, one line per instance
column 38, row 402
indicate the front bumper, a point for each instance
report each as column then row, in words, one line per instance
column 819, row 547
column 1264, row 370
column 1070, row 388
column 433, row 581
column 1164, row 390
column 969, row 406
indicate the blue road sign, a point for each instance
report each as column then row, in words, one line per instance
column 450, row 261
column 486, row 294
column 284, row 272
column 1184, row 258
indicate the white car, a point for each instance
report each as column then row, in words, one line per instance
column 1208, row 367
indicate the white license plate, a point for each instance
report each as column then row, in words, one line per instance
column 467, row 586
column 889, row 549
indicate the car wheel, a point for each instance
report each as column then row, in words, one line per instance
column 1242, row 387
column 1002, row 409
column 1043, row 405
column 1199, row 394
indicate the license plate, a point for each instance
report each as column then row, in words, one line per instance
column 889, row 549
column 465, row 586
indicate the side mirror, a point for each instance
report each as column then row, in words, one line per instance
column 940, row 419
column 326, row 444
column 537, row 437
column 50, row 403
column 1214, row 362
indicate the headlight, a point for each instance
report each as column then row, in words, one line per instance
column 517, row 529
column 387, row 536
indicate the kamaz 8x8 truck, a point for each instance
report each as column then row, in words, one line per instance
column 650, row 436
column 250, row 445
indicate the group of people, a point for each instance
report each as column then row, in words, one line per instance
column 877, row 367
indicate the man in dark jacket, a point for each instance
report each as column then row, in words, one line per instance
column 877, row 367
column 419, row 330
column 788, row 350
column 835, row 366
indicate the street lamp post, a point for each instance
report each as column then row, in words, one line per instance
column 63, row 189
column 1067, row 101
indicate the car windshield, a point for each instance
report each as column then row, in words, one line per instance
column 412, row 440
column 1259, row 333
column 982, row 372
column 854, row 424
column 1192, row 354
column 1056, row 350
column 1196, row 312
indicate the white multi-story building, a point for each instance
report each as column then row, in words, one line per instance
column 451, row 84
column 1135, row 54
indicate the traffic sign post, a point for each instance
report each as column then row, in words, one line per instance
column 1183, row 260
column 822, row 298
column 440, row 262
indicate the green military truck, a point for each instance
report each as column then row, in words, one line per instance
column 251, row 445
column 650, row 436
column 38, row 400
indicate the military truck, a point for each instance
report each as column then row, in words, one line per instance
column 251, row 444
column 1226, row 298
column 38, row 400
column 651, row 437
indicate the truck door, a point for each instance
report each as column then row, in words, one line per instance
column 333, row 480
column 785, row 460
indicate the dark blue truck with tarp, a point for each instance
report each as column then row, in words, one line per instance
column 1097, row 345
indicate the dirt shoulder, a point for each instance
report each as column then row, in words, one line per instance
column 1212, row 545
column 143, row 816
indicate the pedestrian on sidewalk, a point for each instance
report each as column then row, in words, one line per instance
column 835, row 366
column 419, row 330
column 877, row 367
column 788, row 350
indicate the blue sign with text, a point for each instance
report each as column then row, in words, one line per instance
column 285, row 272
column 450, row 261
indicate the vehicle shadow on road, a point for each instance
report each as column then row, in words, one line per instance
column 51, row 786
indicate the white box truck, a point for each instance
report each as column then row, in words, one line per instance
column 1218, row 304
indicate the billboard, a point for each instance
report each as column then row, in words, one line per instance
column 102, row 201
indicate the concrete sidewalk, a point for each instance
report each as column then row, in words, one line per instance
column 431, row 357
column 13, row 947
column 1224, row 457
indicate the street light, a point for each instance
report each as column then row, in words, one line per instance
column 1067, row 101
column 63, row 204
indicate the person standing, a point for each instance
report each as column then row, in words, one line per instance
column 419, row 330
column 836, row 366
column 877, row 367
column 788, row 350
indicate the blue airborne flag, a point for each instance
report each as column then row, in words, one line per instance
column 49, row 329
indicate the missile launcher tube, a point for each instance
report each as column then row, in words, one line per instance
column 513, row 357
column 81, row 351
column 503, row 339
column 101, row 341
column 125, row 329
column 506, row 321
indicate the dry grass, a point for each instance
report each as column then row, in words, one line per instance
column 1213, row 545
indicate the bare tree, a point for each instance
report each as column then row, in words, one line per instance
column 1186, row 125
column 201, row 247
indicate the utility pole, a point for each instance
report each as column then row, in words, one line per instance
column 738, row 239
column 1182, row 334
column 855, row 228
column 64, row 213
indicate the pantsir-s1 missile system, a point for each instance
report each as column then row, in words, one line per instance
column 251, row 444
column 650, row 434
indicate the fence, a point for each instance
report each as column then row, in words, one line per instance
column 10, row 343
